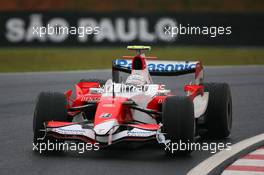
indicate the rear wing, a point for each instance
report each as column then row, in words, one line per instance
column 161, row 68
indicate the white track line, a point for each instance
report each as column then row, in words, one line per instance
column 212, row 162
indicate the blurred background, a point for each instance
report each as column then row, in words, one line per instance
column 125, row 23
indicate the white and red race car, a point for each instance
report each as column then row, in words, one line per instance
column 137, row 109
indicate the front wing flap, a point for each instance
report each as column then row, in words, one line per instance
column 79, row 131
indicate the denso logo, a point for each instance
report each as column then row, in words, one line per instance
column 158, row 66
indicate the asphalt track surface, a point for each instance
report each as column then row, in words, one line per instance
column 18, row 93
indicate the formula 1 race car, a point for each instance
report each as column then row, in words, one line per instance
column 136, row 110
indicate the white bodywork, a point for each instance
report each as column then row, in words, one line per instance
column 200, row 104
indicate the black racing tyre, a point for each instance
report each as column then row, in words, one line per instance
column 100, row 81
column 178, row 123
column 218, row 115
column 49, row 106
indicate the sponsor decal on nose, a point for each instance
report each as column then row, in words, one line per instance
column 104, row 127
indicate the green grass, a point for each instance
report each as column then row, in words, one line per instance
column 58, row 59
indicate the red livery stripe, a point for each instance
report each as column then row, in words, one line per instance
column 145, row 126
column 55, row 124
column 254, row 156
column 245, row 168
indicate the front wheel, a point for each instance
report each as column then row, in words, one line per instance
column 49, row 106
column 178, row 124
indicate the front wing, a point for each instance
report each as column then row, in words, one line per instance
column 84, row 132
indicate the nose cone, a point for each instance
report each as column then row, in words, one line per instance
column 105, row 127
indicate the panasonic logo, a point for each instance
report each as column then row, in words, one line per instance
column 160, row 67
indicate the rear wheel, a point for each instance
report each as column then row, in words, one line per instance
column 49, row 106
column 178, row 124
column 218, row 119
